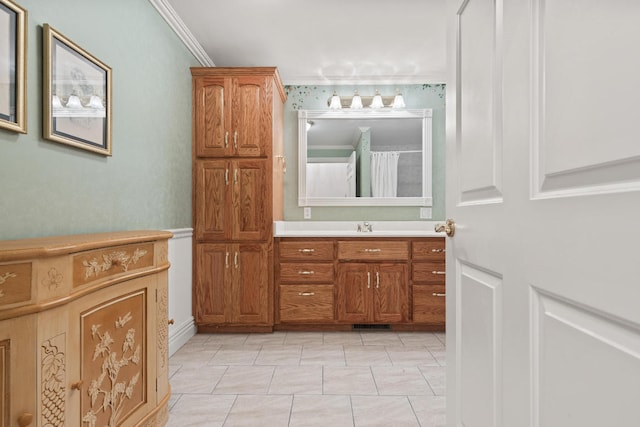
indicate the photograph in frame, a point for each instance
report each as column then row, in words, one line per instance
column 77, row 95
column 12, row 67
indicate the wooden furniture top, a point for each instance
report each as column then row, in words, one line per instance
column 43, row 247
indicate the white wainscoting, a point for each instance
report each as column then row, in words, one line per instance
column 180, row 274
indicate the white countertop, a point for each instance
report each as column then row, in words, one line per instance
column 350, row 229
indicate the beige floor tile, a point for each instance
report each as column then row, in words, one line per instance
column 196, row 379
column 430, row 410
column 233, row 339
column 304, row 338
column 296, row 380
column 201, row 410
column 400, row 381
column 348, row 380
column 440, row 356
column 321, row 411
column 347, row 338
column 436, row 376
column 279, row 355
column 383, row 411
column 370, row 355
column 410, row 356
column 328, row 355
column 380, row 338
column 192, row 356
column 245, row 380
column 235, row 355
column 258, row 410
column 273, row 338
column 425, row 339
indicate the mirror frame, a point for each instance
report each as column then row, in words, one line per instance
column 424, row 114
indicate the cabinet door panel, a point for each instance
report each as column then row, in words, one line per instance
column 354, row 292
column 293, row 272
column 211, row 117
column 251, row 116
column 251, row 284
column 251, row 219
column 313, row 250
column 390, row 293
column 433, row 273
column 431, row 249
column 429, row 304
column 213, row 300
column 212, row 200
column 306, row 303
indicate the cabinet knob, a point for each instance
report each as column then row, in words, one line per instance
column 77, row 385
column 171, row 321
column 25, row 419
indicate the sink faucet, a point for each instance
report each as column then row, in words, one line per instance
column 365, row 227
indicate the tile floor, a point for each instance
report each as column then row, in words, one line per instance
column 295, row 379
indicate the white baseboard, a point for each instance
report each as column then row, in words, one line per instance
column 181, row 335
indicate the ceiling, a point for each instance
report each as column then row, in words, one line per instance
column 317, row 42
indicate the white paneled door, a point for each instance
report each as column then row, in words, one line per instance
column 543, row 182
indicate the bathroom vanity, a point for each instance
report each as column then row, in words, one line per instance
column 391, row 278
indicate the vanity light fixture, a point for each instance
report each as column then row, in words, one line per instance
column 398, row 101
column 335, row 103
column 357, row 102
column 376, row 102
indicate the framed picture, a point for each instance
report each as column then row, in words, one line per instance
column 77, row 95
column 13, row 61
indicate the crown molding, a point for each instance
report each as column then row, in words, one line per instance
column 171, row 17
column 431, row 78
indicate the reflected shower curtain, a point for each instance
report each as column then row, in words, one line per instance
column 384, row 173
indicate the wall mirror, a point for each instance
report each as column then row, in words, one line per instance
column 364, row 157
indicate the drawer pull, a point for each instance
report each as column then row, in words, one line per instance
column 306, row 273
column 377, row 280
column 439, row 251
column 437, row 294
column 306, row 294
column 438, row 272
column 373, row 250
column 226, row 139
column 77, row 385
column 368, row 280
column 25, row 419
column 306, row 251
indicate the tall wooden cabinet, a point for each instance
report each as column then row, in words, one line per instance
column 238, row 167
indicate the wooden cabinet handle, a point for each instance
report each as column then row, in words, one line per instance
column 171, row 321
column 25, row 419
column 438, row 272
column 439, row 251
column 437, row 294
column 306, row 251
column 373, row 250
column 306, row 273
column 306, row 294
column 77, row 385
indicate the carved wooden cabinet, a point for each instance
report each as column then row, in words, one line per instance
column 84, row 330
column 334, row 283
column 238, row 167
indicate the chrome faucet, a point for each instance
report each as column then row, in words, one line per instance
column 365, row 227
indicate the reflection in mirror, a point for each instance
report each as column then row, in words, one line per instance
column 368, row 157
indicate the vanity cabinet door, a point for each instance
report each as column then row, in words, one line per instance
column 354, row 293
column 250, row 287
column 251, row 131
column 390, row 301
column 212, row 290
column 212, row 200
column 212, row 118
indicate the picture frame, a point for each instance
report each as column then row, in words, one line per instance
column 76, row 95
column 13, row 67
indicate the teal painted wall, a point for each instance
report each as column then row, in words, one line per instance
column 315, row 98
column 48, row 188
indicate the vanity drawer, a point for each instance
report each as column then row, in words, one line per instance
column 312, row 250
column 429, row 272
column 306, row 272
column 432, row 249
column 306, row 303
column 429, row 304
column 373, row 250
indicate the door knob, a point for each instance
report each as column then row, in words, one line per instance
column 449, row 227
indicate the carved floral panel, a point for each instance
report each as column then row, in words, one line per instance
column 113, row 360
column 100, row 264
